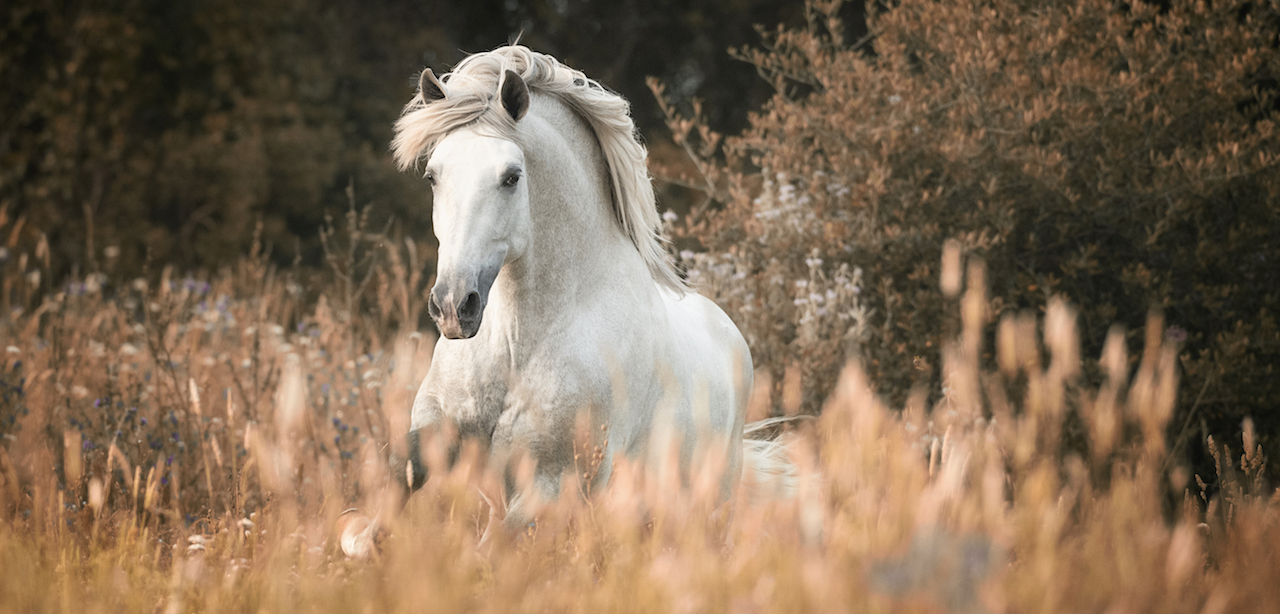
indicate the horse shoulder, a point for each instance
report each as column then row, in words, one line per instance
column 702, row 329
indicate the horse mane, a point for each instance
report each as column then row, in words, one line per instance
column 472, row 99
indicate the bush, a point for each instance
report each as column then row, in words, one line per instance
column 139, row 132
column 1121, row 156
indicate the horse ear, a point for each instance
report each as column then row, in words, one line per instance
column 430, row 87
column 515, row 95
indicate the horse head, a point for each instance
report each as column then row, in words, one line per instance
column 480, row 209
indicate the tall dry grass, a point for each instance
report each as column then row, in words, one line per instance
column 188, row 446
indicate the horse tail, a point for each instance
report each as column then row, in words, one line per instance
column 768, row 472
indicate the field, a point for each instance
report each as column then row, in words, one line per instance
column 189, row 446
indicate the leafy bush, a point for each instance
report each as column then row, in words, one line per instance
column 142, row 132
column 1123, row 156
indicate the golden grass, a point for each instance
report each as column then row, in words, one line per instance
column 188, row 447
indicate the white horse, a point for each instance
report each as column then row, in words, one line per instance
column 554, row 295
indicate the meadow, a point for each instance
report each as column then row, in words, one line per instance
column 189, row 445
column 940, row 240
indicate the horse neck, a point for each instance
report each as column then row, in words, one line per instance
column 577, row 252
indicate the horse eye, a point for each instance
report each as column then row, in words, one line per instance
column 431, row 178
column 511, row 180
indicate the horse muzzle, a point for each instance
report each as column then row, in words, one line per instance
column 457, row 305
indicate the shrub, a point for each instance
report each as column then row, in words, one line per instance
column 138, row 132
column 1123, row 156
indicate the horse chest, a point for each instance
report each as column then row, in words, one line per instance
column 479, row 407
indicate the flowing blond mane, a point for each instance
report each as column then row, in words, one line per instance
column 472, row 99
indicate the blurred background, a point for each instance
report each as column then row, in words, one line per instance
column 1120, row 157
column 147, row 129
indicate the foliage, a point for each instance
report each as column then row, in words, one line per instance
column 896, row 510
column 1123, row 156
column 139, row 131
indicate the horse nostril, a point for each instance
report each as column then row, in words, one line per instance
column 433, row 307
column 470, row 308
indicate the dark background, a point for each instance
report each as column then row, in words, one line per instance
column 143, row 132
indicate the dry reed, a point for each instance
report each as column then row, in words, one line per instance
column 189, row 446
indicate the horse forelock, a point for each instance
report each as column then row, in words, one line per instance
column 471, row 100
